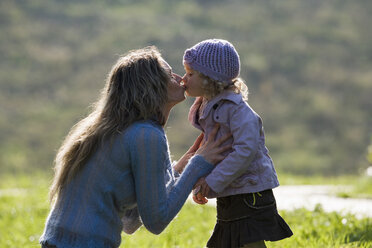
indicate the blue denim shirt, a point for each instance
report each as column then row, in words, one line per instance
column 248, row 167
column 134, row 171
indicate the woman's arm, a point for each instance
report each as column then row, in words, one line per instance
column 150, row 160
column 180, row 165
column 158, row 205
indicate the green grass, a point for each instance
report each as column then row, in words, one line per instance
column 314, row 229
column 362, row 188
column 24, row 207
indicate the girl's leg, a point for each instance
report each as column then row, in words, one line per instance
column 258, row 244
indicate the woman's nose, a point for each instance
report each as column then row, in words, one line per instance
column 178, row 78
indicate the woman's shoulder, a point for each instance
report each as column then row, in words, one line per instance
column 143, row 136
column 144, row 124
column 145, row 129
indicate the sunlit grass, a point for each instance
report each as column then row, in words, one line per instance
column 24, row 207
column 192, row 228
column 312, row 229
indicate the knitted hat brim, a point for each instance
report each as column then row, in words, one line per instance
column 208, row 72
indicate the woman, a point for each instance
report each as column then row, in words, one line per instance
column 116, row 160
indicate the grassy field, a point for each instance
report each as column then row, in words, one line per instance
column 24, row 207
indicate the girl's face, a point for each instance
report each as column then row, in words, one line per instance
column 192, row 82
column 176, row 92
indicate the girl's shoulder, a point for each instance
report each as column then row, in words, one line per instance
column 237, row 111
column 233, row 102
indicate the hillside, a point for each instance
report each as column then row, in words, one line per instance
column 307, row 65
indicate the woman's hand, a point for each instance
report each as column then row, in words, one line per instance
column 190, row 152
column 211, row 149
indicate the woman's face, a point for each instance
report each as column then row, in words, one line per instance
column 176, row 92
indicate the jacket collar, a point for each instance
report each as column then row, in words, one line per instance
column 224, row 96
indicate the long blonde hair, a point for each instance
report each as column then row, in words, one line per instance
column 135, row 89
column 213, row 87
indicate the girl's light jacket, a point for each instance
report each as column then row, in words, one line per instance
column 248, row 167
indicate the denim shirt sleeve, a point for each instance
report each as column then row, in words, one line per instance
column 245, row 128
column 159, row 200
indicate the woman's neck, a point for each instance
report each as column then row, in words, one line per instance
column 167, row 109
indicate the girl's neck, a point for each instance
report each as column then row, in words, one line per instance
column 207, row 98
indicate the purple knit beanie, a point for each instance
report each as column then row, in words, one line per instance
column 215, row 58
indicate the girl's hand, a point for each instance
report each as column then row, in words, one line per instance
column 204, row 187
column 211, row 149
column 199, row 199
column 190, row 152
column 197, row 195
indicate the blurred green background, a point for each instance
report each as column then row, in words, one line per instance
column 308, row 66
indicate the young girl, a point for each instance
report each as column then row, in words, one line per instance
column 243, row 181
